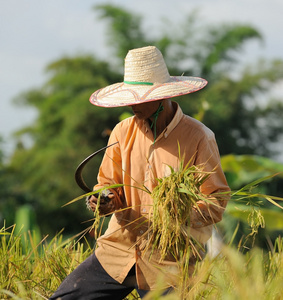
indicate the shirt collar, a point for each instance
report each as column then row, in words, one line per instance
column 175, row 121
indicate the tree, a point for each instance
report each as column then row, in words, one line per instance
column 68, row 128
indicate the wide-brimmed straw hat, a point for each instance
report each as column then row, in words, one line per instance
column 146, row 78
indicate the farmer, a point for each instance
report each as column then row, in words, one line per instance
column 146, row 146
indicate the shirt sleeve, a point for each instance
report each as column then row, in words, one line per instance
column 110, row 170
column 215, row 187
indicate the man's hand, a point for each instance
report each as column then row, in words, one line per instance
column 106, row 205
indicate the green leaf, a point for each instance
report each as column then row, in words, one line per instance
column 273, row 219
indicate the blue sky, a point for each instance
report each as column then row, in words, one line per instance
column 34, row 33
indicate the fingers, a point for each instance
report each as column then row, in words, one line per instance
column 111, row 196
column 92, row 203
column 106, row 205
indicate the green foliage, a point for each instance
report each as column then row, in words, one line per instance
column 124, row 31
column 68, row 128
column 237, row 110
column 26, row 222
column 242, row 170
column 221, row 44
column 8, row 201
column 272, row 219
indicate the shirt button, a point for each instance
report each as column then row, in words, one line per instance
column 139, row 253
column 141, row 231
column 165, row 135
column 144, row 210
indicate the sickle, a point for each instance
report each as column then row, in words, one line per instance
column 78, row 174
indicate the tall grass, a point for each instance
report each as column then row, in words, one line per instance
column 233, row 275
column 34, row 271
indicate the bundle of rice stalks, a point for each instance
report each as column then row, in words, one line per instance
column 173, row 200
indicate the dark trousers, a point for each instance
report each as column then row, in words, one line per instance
column 90, row 281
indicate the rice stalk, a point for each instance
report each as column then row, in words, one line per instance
column 173, row 200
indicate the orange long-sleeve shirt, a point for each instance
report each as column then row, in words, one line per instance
column 136, row 161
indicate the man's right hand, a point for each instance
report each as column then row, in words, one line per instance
column 106, row 205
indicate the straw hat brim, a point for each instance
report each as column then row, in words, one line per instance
column 124, row 94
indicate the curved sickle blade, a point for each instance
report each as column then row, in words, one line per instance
column 78, row 174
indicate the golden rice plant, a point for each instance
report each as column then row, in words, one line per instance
column 231, row 275
column 173, row 200
column 31, row 270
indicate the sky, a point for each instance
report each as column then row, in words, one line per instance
column 33, row 33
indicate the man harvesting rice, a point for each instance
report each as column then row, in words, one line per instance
column 154, row 144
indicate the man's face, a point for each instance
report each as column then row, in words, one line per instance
column 144, row 111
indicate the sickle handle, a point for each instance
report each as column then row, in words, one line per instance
column 78, row 174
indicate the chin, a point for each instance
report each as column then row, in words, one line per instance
column 139, row 116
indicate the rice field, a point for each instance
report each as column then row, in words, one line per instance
column 34, row 271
